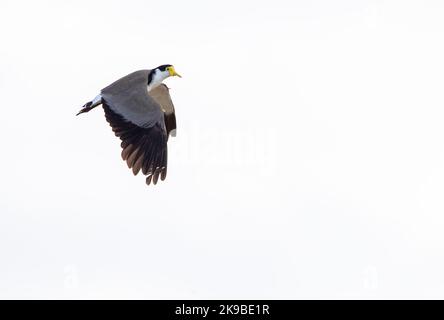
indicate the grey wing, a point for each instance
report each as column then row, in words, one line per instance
column 129, row 98
column 137, row 119
column 162, row 96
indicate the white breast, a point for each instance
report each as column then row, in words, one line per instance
column 157, row 79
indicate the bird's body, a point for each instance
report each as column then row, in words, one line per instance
column 140, row 111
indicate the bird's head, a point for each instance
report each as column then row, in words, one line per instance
column 159, row 74
column 167, row 70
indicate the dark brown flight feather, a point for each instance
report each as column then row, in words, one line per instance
column 143, row 149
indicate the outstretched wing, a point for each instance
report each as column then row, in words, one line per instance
column 162, row 96
column 143, row 149
column 137, row 119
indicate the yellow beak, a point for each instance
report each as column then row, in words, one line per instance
column 174, row 73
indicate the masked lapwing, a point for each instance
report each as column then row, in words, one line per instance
column 139, row 110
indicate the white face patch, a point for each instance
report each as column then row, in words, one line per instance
column 157, row 79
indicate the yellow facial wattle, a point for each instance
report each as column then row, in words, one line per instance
column 173, row 72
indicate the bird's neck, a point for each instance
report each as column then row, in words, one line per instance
column 155, row 80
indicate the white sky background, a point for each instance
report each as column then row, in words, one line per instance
column 309, row 161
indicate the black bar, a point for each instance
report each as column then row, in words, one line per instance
column 220, row 309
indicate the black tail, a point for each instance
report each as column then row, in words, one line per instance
column 87, row 107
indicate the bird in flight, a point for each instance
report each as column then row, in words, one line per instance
column 139, row 110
